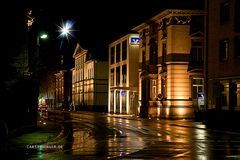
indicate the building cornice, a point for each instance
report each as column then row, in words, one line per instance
column 168, row 16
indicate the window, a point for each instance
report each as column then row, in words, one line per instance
column 238, row 95
column 232, row 95
column 153, row 51
column 237, row 16
column 118, row 76
column 124, row 74
column 92, row 73
column 164, row 52
column 224, row 12
column 124, row 102
column 237, row 47
column 197, row 87
column 124, row 50
column 112, row 55
column 196, row 24
column 143, row 58
column 197, row 51
column 118, row 52
column 154, row 89
column 224, row 50
column 225, row 96
column 88, row 72
column 112, row 77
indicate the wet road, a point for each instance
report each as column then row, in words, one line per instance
column 102, row 136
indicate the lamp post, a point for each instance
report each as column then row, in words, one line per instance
column 65, row 32
column 39, row 37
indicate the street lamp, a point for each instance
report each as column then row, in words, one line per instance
column 65, row 32
column 66, row 29
column 41, row 36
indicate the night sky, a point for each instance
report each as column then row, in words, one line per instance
column 96, row 23
column 99, row 22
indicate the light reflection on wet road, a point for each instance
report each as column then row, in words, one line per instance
column 101, row 136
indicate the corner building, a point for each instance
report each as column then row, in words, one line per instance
column 223, row 60
column 123, row 75
column 170, row 71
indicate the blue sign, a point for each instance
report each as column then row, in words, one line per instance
column 135, row 40
column 200, row 95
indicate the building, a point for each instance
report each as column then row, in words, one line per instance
column 223, row 58
column 89, row 81
column 47, row 89
column 123, row 75
column 171, row 64
column 63, row 90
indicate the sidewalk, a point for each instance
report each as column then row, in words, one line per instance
column 29, row 139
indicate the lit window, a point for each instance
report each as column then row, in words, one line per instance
column 112, row 77
column 197, row 86
column 124, row 74
column 118, row 76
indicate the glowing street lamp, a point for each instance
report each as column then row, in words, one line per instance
column 42, row 36
column 65, row 32
column 66, row 29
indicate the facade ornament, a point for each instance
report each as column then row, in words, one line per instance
column 30, row 19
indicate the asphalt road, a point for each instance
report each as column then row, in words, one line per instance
column 85, row 135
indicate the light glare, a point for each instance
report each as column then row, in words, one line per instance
column 66, row 29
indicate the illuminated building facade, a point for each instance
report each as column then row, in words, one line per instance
column 123, row 75
column 59, row 89
column 47, row 88
column 63, row 89
column 223, row 60
column 89, row 82
column 171, row 64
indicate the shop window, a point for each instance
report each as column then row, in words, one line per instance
column 112, row 77
column 225, row 96
column 197, row 86
column 232, row 95
column 238, row 95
